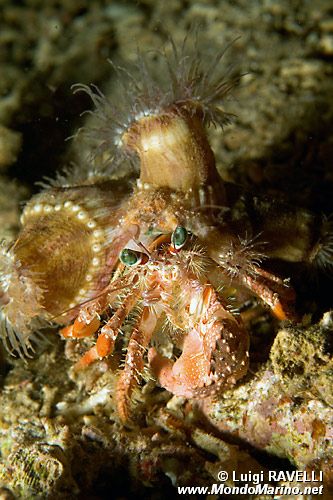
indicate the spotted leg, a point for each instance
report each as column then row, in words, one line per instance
column 134, row 362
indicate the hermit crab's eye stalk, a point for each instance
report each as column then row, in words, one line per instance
column 132, row 258
column 178, row 238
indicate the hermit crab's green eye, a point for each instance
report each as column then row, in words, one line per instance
column 130, row 257
column 179, row 237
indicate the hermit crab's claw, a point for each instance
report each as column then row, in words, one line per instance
column 214, row 354
column 189, row 373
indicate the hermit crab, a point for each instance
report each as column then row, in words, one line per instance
column 155, row 253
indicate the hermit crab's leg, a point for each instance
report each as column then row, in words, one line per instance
column 215, row 351
column 80, row 329
column 87, row 321
column 134, row 362
column 106, row 339
column 240, row 261
column 273, row 291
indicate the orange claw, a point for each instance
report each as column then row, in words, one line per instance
column 86, row 360
column 189, row 373
column 104, row 345
column 80, row 329
column 278, row 311
column 284, row 313
column 207, row 294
